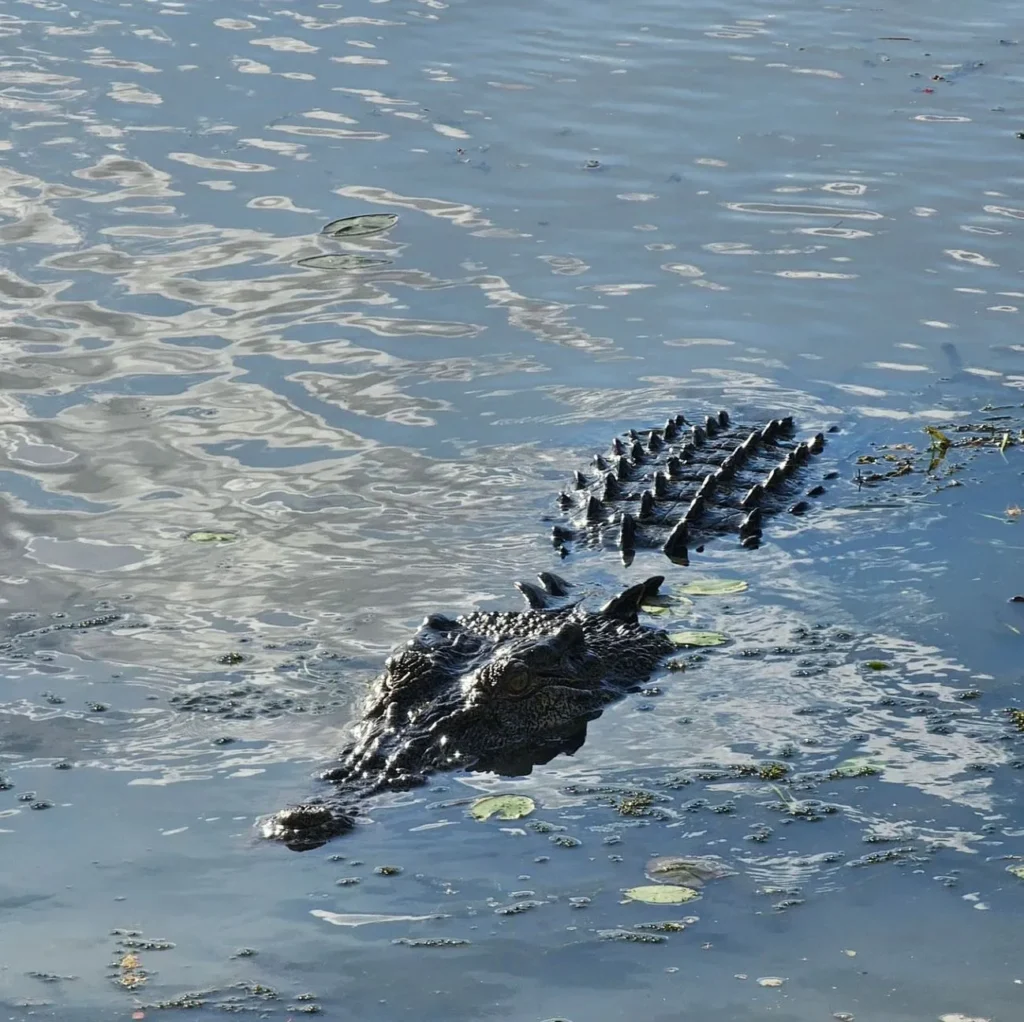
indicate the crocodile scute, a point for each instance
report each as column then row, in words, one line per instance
column 681, row 484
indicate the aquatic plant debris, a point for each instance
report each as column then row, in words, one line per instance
column 1017, row 871
column 211, row 537
column 693, row 638
column 876, row 665
column 712, row 587
column 957, row 1017
column 857, row 766
column 505, row 807
column 771, row 981
column 361, row 226
column 662, row 894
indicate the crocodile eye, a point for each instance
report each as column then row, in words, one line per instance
column 516, row 679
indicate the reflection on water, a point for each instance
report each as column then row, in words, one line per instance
column 604, row 216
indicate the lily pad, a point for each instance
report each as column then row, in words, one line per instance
column 505, row 807
column 1017, row 871
column 360, row 226
column 712, row 587
column 698, row 638
column 662, row 894
column 341, row 261
column 664, row 604
column 211, row 537
column 693, row 871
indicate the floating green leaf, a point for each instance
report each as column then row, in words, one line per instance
column 663, row 604
column 505, row 807
column 698, row 638
column 360, row 226
column 1017, row 871
column 876, row 665
column 211, row 537
column 341, row 261
column 693, row 871
column 662, row 894
column 712, row 587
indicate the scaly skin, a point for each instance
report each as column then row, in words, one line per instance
column 498, row 691
column 679, row 485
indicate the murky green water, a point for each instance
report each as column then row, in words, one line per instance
column 606, row 214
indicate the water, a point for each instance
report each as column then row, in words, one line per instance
column 606, row 214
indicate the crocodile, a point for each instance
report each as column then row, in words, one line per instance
column 499, row 691
column 504, row 691
column 681, row 484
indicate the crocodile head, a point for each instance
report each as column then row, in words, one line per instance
column 495, row 691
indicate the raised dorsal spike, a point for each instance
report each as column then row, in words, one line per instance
column 774, row 479
column 770, row 431
column 627, row 604
column 618, row 447
column 564, row 501
column 661, row 487
column 595, row 510
column 817, row 444
column 707, row 485
column 632, row 434
column 600, row 463
column 801, row 452
column 673, row 466
column 623, row 469
column 751, row 444
column 799, row 508
column 711, row 425
column 536, row 597
column 678, row 538
column 671, row 430
column 560, row 534
column 655, row 443
column 612, row 489
column 723, row 419
column 646, row 504
column 554, row 584
column 751, row 525
column 790, row 463
column 636, row 452
column 699, row 436
column 686, row 453
column 752, row 497
column 627, row 534
column 695, row 509
column 751, row 542
column 680, row 419
column 579, row 480
column 786, row 423
column 726, row 470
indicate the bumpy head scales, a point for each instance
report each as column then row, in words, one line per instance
column 499, row 691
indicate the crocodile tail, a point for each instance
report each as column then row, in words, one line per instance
column 626, row 606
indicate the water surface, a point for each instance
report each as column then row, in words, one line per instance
column 605, row 215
